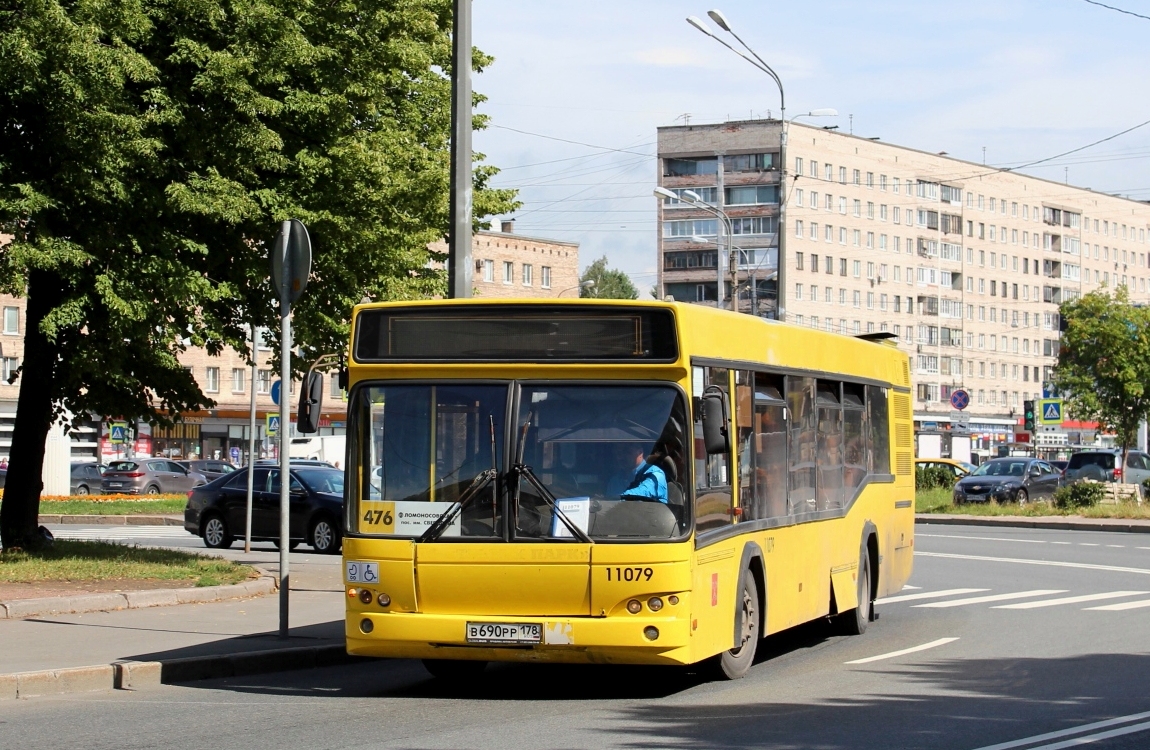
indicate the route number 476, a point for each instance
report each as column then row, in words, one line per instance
column 377, row 517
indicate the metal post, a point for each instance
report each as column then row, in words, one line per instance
column 734, row 263
column 285, row 416
column 459, row 269
column 251, row 445
column 781, row 283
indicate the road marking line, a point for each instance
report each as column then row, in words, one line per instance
column 981, row 538
column 1142, row 604
column 927, row 595
column 1117, row 546
column 1071, row 600
column 1095, row 737
column 903, row 652
column 908, row 587
column 991, row 598
column 1067, row 543
column 1050, row 563
column 1066, row 732
column 1144, row 548
column 1088, row 544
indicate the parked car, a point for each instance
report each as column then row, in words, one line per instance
column 149, row 476
column 218, row 511
column 211, row 468
column 1106, row 466
column 86, row 477
column 958, row 469
column 1018, row 479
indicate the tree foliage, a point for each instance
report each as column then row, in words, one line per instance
column 148, row 150
column 610, row 283
column 1104, row 361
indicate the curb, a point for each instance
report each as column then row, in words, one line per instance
column 142, row 675
column 1127, row 526
column 70, row 605
column 129, row 520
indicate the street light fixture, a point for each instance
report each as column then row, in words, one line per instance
column 588, row 284
column 754, row 59
column 692, row 198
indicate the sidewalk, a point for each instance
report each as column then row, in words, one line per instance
column 1063, row 523
column 79, row 652
column 125, row 520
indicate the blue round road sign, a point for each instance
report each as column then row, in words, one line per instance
column 959, row 399
column 276, row 392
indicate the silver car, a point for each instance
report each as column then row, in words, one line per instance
column 149, row 476
column 1106, row 466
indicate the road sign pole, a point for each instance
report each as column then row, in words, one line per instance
column 285, row 463
column 251, row 445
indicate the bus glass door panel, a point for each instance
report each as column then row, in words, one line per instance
column 855, row 434
column 878, row 427
column 769, row 451
column 714, row 506
column 744, row 440
column 830, row 446
column 802, row 447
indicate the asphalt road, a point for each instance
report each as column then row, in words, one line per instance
column 1016, row 638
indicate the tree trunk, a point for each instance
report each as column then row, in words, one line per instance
column 21, row 506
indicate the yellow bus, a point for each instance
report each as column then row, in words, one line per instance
column 599, row 481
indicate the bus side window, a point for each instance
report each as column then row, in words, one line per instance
column 802, row 445
column 879, row 428
column 830, row 445
column 855, row 434
column 713, row 497
column 769, row 451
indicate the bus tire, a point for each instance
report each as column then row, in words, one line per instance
column 855, row 621
column 736, row 662
column 454, row 670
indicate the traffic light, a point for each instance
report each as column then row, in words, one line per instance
column 1028, row 416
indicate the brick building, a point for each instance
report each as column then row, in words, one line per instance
column 515, row 266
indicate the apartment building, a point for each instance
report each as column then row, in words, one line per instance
column 965, row 265
column 515, row 266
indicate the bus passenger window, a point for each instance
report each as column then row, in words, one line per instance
column 830, row 446
column 801, row 445
column 879, row 429
column 713, row 498
column 855, row 429
column 770, row 450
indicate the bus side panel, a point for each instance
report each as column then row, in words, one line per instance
column 898, row 550
column 714, row 582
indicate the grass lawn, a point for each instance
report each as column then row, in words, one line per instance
column 938, row 500
column 103, row 561
column 75, row 506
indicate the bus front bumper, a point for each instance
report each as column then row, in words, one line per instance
column 580, row 640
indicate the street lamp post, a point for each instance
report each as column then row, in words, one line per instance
column 754, row 59
column 689, row 196
column 588, row 284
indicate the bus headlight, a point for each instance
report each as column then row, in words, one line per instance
column 384, row 600
column 651, row 632
column 366, row 625
column 365, row 596
column 672, row 600
column 654, row 604
column 634, row 606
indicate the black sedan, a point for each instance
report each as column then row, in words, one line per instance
column 217, row 511
column 1008, row 480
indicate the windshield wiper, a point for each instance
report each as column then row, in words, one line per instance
column 523, row 471
column 484, row 478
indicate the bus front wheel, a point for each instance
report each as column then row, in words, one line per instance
column 855, row 621
column 736, row 662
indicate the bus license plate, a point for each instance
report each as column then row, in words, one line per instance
column 504, row 632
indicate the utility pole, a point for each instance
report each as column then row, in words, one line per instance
column 459, row 269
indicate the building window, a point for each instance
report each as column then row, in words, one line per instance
column 237, row 380
column 545, row 277
column 11, row 320
column 263, row 381
column 489, row 271
column 9, row 366
column 527, row 272
column 212, row 379
column 508, row 272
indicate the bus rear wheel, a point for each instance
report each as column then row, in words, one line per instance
column 736, row 662
column 454, row 670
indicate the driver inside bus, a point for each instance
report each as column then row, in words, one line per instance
column 640, row 477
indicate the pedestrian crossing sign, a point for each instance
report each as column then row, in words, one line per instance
column 117, row 433
column 272, row 427
column 1050, row 411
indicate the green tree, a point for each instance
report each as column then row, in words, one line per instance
column 610, row 283
column 148, row 150
column 1104, row 362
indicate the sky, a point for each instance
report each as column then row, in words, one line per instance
column 578, row 89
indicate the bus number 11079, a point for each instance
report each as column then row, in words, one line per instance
column 629, row 574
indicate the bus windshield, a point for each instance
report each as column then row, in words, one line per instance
column 611, row 458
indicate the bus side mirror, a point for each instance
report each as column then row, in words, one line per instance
column 715, row 421
column 310, row 403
